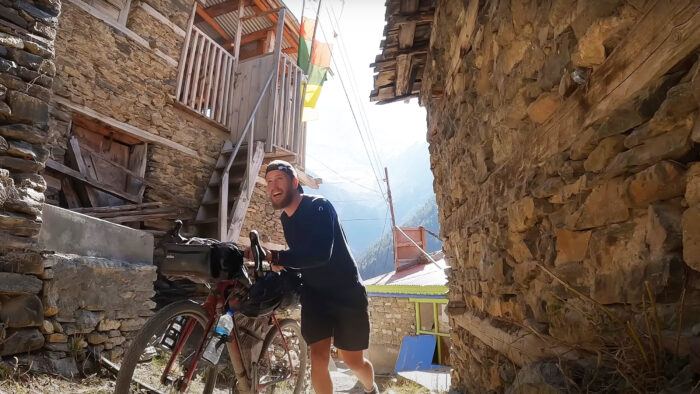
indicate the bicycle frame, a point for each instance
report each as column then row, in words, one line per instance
column 215, row 301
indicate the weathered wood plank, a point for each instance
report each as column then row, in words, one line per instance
column 54, row 165
column 137, row 169
column 126, row 207
column 76, row 157
column 128, row 129
column 69, row 193
column 241, row 205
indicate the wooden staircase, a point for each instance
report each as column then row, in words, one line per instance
column 239, row 186
column 259, row 101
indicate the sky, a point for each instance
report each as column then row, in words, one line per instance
column 334, row 149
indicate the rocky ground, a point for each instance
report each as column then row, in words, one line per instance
column 20, row 382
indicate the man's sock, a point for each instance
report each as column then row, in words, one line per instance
column 374, row 390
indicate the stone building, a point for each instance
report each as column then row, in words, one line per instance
column 564, row 141
column 117, row 117
column 405, row 302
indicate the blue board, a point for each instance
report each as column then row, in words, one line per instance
column 416, row 354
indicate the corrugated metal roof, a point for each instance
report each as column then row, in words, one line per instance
column 229, row 22
column 419, row 275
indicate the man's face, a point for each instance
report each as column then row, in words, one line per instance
column 280, row 188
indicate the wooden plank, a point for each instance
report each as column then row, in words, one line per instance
column 133, row 212
column 137, row 169
column 54, row 165
column 196, row 80
column 214, row 24
column 196, row 38
column 408, row 6
column 223, row 208
column 78, row 161
column 124, row 13
column 274, row 18
column 241, row 206
column 129, row 129
column 406, row 33
column 126, row 207
column 141, row 218
column 163, row 19
column 215, row 105
column 206, row 82
column 403, row 63
column 185, row 51
column 69, row 193
column 254, row 36
column 52, row 182
column 222, row 8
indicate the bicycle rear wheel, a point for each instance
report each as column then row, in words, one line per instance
column 276, row 374
column 146, row 359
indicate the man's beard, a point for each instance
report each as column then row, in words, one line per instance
column 288, row 197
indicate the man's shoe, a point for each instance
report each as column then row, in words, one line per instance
column 375, row 389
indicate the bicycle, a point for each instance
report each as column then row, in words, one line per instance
column 167, row 353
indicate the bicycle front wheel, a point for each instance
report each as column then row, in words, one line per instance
column 278, row 371
column 144, row 363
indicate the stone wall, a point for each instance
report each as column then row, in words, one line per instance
column 391, row 319
column 564, row 144
column 101, row 68
column 27, row 31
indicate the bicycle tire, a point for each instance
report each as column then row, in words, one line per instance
column 153, row 325
column 303, row 356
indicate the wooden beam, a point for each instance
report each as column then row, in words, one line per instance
column 69, row 193
column 222, row 8
column 254, row 36
column 128, row 171
column 137, row 164
column 54, row 165
column 76, row 157
column 291, row 50
column 125, row 207
column 273, row 17
column 127, row 128
column 212, row 23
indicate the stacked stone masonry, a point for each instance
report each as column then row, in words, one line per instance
column 564, row 140
column 27, row 70
column 57, row 61
column 392, row 319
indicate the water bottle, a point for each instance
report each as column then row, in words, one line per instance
column 216, row 343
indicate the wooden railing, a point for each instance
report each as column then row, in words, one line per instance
column 263, row 93
column 287, row 128
column 206, row 77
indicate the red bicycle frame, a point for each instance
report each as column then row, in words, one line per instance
column 214, row 302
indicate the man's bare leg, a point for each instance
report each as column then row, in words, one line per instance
column 320, row 376
column 360, row 365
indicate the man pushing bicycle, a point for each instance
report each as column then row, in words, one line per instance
column 334, row 304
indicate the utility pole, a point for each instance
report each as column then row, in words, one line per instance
column 391, row 202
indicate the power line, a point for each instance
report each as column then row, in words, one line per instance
column 348, row 65
column 346, row 178
column 352, row 111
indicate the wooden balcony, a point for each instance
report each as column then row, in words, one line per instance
column 216, row 85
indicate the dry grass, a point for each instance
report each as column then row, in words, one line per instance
column 630, row 354
column 18, row 381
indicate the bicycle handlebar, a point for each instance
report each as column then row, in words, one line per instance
column 259, row 253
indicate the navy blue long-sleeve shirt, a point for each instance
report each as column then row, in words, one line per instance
column 318, row 247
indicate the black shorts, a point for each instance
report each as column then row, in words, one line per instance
column 344, row 316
